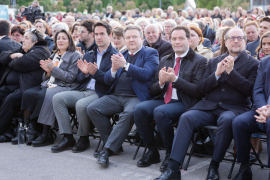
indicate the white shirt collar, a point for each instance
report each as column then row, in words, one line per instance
column 2, row 37
column 134, row 52
column 183, row 55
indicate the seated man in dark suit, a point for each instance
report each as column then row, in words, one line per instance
column 92, row 86
column 228, row 83
column 177, row 89
column 264, row 27
column 153, row 39
column 6, row 43
column 253, row 121
column 130, row 78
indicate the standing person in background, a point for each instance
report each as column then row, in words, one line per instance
column 41, row 27
column 109, row 14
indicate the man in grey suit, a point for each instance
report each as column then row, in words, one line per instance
column 264, row 27
column 92, row 86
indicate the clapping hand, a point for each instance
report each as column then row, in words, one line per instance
column 221, row 67
column 161, row 76
column 92, row 68
column 83, row 66
column 229, row 64
column 118, row 61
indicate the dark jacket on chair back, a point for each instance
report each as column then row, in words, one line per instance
column 101, row 87
column 231, row 92
column 190, row 74
column 28, row 65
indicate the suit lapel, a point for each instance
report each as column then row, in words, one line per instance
column 241, row 60
column 139, row 57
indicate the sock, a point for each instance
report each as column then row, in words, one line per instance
column 107, row 150
column 168, row 150
column 245, row 166
column 46, row 130
column 152, row 146
column 173, row 165
column 214, row 164
column 69, row 136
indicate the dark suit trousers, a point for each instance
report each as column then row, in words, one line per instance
column 164, row 115
column 10, row 105
column 243, row 126
column 99, row 112
column 193, row 119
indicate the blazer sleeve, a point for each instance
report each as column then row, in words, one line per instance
column 148, row 70
column 209, row 81
column 243, row 85
column 108, row 79
column 192, row 88
column 5, row 56
column 68, row 76
column 258, row 92
column 29, row 61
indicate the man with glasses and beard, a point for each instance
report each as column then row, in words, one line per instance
column 228, row 82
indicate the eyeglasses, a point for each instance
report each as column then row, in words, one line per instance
column 16, row 35
column 232, row 38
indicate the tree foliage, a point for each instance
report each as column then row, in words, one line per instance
column 209, row 4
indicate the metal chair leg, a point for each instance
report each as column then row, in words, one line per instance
column 232, row 167
column 191, row 151
column 256, row 155
column 136, row 152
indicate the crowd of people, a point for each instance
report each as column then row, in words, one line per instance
column 193, row 67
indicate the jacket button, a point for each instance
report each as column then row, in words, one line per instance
column 223, row 89
column 220, row 103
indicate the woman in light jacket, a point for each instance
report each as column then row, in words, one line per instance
column 60, row 74
column 197, row 39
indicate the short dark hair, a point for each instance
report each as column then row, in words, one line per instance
column 105, row 25
column 71, row 46
column 184, row 28
column 123, row 13
column 118, row 31
column 18, row 29
column 4, row 27
column 266, row 18
column 88, row 24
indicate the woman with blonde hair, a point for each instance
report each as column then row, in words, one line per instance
column 174, row 15
column 209, row 21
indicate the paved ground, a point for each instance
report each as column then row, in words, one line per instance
column 39, row 163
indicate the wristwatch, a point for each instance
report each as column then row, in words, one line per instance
column 125, row 66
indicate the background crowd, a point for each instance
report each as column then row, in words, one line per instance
column 53, row 62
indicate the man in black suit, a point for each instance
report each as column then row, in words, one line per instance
column 228, row 82
column 153, row 39
column 176, row 88
column 253, row 121
column 264, row 27
column 6, row 43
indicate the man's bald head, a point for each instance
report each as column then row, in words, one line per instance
column 152, row 34
column 151, row 26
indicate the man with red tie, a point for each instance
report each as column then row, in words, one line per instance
column 176, row 88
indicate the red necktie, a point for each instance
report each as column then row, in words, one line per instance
column 168, row 96
column 131, row 54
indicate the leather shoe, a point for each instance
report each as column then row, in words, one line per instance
column 42, row 140
column 243, row 175
column 82, row 145
column 148, row 159
column 212, row 173
column 4, row 138
column 169, row 174
column 165, row 163
column 103, row 158
column 14, row 140
column 65, row 144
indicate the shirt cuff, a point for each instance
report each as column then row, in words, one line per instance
column 161, row 86
column 217, row 77
column 113, row 74
column 127, row 66
column 176, row 78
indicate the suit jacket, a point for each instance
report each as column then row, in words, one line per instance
column 209, row 33
column 231, row 92
column 163, row 47
column 28, row 65
column 252, row 46
column 261, row 90
column 7, row 44
column 101, row 87
column 141, row 73
column 65, row 74
column 206, row 43
column 190, row 74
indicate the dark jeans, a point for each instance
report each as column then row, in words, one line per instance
column 10, row 105
column 193, row 119
column 164, row 115
column 243, row 126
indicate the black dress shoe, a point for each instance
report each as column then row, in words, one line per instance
column 212, row 173
column 243, row 175
column 30, row 135
column 165, row 163
column 65, row 144
column 148, row 159
column 42, row 140
column 14, row 140
column 82, row 145
column 168, row 174
column 252, row 157
column 103, row 158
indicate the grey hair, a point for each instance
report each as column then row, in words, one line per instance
column 140, row 20
column 217, row 8
column 60, row 26
column 33, row 36
column 131, row 26
column 227, row 34
column 154, row 25
column 171, row 21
